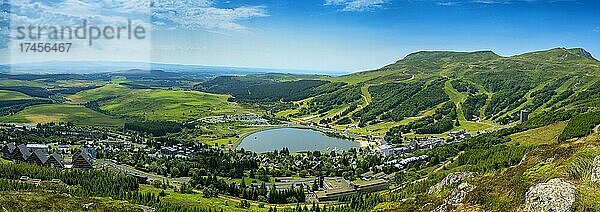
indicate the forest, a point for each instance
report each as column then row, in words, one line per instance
column 441, row 121
column 385, row 97
column 432, row 95
column 13, row 106
column 472, row 106
column 156, row 128
column 580, row 125
column 464, row 86
column 259, row 90
column 328, row 101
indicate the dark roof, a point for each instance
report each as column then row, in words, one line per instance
column 24, row 151
column 41, row 155
column 56, row 158
column 84, row 153
column 11, row 147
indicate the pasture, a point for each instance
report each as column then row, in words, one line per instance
column 61, row 113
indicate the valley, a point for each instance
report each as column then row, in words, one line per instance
column 498, row 126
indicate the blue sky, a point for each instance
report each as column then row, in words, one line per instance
column 330, row 35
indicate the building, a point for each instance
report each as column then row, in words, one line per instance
column 82, row 159
column 7, row 150
column 524, row 116
column 38, row 157
column 36, row 154
column 55, row 161
column 169, row 151
column 339, row 188
column 458, row 136
column 64, row 149
column 21, row 153
column 141, row 179
column 389, row 150
column 372, row 186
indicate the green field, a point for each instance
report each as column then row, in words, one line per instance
column 543, row 135
column 61, row 113
column 30, row 83
column 12, row 95
column 94, row 94
column 196, row 200
column 157, row 104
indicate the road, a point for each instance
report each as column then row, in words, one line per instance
column 151, row 177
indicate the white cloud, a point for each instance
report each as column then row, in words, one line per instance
column 188, row 14
column 357, row 5
column 460, row 2
column 202, row 14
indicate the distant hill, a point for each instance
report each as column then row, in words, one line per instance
column 89, row 67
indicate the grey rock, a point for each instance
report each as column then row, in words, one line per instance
column 456, row 197
column 556, row 195
column 452, row 180
column 596, row 170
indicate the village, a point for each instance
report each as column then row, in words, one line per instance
column 141, row 156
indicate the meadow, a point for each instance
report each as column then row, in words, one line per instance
column 61, row 113
column 157, row 104
column 12, row 95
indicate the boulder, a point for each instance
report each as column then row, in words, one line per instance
column 456, row 197
column 452, row 180
column 556, row 195
column 596, row 170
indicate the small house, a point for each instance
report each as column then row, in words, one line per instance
column 38, row 157
column 7, row 150
column 21, row 153
column 82, row 159
column 55, row 161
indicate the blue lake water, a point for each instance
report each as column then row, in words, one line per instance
column 295, row 139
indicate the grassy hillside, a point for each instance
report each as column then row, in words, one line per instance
column 12, row 95
column 488, row 90
column 47, row 201
column 157, row 104
column 506, row 164
column 98, row 93
column 61, row 113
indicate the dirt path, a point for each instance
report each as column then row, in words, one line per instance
column 448, row 162
column 597, row 129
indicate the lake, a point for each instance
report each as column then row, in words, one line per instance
column 295, row 139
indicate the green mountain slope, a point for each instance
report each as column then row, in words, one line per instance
column 488, row 90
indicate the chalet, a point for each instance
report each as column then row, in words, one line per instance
column 82, row 159
column 38, row 157
column 21, row 153
column 55, row 161
column 7, row 150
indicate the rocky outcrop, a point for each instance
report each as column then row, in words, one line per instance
column 452, row 180
column 456, row 197
column 596, row 170
column 556, row 195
